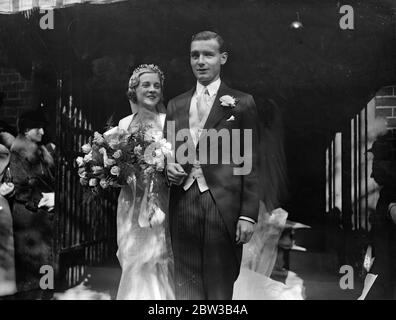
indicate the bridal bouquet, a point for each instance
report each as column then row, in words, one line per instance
column 115, row 159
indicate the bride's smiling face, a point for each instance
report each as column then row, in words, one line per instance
column 149, row 91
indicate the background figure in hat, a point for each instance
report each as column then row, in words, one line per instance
column 32, row 171
column 383, row 220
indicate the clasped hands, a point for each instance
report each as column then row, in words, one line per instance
column 175, row 173
column 244, row 229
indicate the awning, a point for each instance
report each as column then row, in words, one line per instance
column 14, row 6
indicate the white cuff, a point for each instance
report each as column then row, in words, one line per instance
column 247, row 219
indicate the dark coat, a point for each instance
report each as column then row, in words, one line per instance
column 32, row 173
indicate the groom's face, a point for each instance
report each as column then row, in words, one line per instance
column 206, row 60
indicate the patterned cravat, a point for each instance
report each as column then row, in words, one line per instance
column 203, row 103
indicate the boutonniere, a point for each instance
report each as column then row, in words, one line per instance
column 228, row 101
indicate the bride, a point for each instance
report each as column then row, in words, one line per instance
column 144, row 248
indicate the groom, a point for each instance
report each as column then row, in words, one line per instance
column 213, row 207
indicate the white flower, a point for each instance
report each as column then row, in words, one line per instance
column 86, row 148
column 82, row 174
column 103, row 183
column 113, row 143
column 88, row 157
column 115, row 171
column 228, row 101
column 93, row 182
column 117, row 154
column 98, row 138
column 80, row 161
column 138, row 149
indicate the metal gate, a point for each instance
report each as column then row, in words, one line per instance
column 85, row 232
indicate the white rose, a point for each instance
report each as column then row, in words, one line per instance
column 82, row 174
column 138, row 149
column 88, row 157
column 227, row 101
column 86, row 148
column 93, row 182
column 98, row 138
column 80, row 161
column 115, row 171
column 117, row 154
column 103, row 183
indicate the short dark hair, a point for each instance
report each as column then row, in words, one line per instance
column 209, row 35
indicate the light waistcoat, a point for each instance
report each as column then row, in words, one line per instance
column 196, row 127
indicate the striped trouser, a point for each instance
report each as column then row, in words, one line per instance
column 205, row 262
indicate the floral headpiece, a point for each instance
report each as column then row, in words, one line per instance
column 144, row 68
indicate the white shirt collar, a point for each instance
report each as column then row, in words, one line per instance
column 212, row 88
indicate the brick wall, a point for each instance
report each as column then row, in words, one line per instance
column 385, row 105
column 17, row 93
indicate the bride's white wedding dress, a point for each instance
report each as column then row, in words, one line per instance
column 144, row 253
column 146, row 259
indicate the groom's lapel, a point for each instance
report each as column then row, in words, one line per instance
column 217, row 112
column 185, row 110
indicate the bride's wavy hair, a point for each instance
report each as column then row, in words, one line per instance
column 134, row 80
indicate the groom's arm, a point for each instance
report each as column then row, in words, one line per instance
column 249, row 199
column 250, row 181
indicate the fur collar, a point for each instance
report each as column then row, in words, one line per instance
column 31, row 151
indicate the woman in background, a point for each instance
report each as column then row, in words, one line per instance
column 32, row 173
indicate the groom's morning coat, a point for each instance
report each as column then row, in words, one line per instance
column 234, row 195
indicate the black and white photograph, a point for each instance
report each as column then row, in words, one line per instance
column 168, row 150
